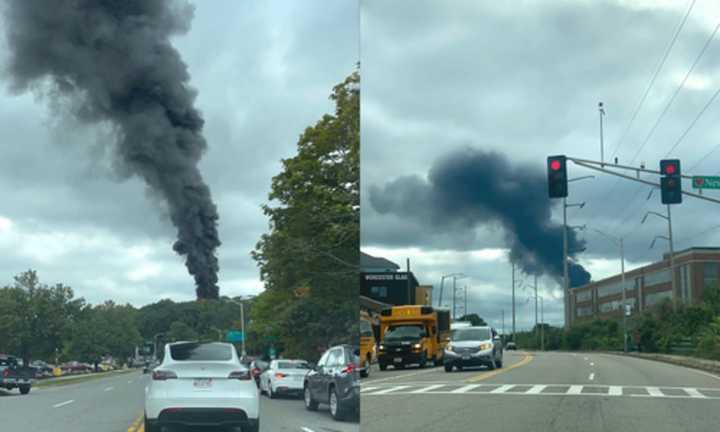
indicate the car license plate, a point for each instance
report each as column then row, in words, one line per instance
column 202, row 383
column 398, row 359
column 466, row 357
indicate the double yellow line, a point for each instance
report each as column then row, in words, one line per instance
column 138, row 425
column 487, row 375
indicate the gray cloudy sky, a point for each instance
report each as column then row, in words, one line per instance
column 524, row 78
column 263, row 71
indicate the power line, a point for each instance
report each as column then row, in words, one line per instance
column 677, row 91
column 702, row 159
column 702, row 111
column 654, row 76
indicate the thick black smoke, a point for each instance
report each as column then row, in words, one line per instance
column 470, row 188
column 113, row 62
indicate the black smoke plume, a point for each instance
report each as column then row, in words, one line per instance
column 111, row 61
column 470, row 188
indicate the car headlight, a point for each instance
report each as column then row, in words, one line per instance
column 449, row 347
column 381, row 347
column 485, row 346
column 417, row 346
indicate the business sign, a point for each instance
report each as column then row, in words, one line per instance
column 385, row 277
column 234, row 336
column 706, row 182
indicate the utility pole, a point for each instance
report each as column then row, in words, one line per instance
column 454, row 295
column 503, row 323
column 409, row 295
column 542, row 328
column 624, row 298
column 602, row 147
column 566, row 282
column 536, row 309
column 513, row 302
column 242, row 328
column 465, row 311
column 672, row 259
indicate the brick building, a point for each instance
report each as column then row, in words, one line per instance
column 695, row 269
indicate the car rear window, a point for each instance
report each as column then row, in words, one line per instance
column 201, row 352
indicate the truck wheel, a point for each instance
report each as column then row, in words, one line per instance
column 448, row 367
column 24, row 389
column 498, row 364
column 382, row 366
column 423, row 361
column 491, row 365
column 366, row 369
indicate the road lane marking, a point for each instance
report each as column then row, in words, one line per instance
column 693, row 392
column 527, row 359
column 591, row 377
column 306, row 429
column 615, row 391
column 466, row 388
column 428, row 388
column 585, row 358
column 394, row 377
column 67, row 402
column 135, row 426
column 367, row 389
column 536, row 389
column 503, row 388
column 109, row 388
column 575, row 390
column 130, row 382
column 391, row 389
column 592, row 364
column 654, row 391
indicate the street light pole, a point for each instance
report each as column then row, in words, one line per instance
column 513, row 302
column 669, row 238
column 565, row 265
column 542, row 326
column 619, row 241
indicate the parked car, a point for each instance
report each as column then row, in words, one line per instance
column 335, row 381
column 511, row 346
column 257, row 367
column 42, row 369
column 201, row 384
column 473, row 346
column 13, row 375
column 284, row 376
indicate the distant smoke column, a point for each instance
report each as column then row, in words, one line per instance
column 470, row 188
column 111, row 61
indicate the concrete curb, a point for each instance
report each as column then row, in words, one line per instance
column 711, row 366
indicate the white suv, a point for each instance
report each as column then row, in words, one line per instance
column 201, row 384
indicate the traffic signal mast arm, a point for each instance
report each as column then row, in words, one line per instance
column 591, row 164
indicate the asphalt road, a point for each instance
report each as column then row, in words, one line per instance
column 544, row 392
column 115, row 404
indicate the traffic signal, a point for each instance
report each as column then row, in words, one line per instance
column 670, row 182
column 557, row 177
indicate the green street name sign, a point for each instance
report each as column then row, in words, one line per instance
column 706, row 182
column 234, row 336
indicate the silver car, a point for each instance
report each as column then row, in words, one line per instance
column 473, row 346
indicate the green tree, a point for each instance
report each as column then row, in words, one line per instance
column 313, row 241
column 179, row 331
column 474, row 319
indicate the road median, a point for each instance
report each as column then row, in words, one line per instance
column 75, row 379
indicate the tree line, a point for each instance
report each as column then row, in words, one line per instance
column 688, row 329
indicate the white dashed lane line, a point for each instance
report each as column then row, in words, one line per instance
column 61, row 404
column 591, row 377
column 109, row 388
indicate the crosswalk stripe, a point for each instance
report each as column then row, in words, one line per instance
column 465, row 389
column 575, row 389
column 536, row 389
column 390, row 390
column 654, row 391
column 694, row 393
column 503, row 388
column 367, row 389
column 615, row 391
column 428, row 388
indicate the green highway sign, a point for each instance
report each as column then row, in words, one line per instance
column 234, row 336
column 706, row 182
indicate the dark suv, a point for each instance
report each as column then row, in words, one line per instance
column 335, row 381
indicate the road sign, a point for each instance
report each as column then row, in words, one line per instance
column 272, row 353
column 706, row 182
column 234, row 336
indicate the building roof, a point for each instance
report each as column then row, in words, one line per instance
column 371, row 262
column 652, row 266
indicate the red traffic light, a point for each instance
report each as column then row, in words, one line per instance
column 670, row 169
column 555, row 165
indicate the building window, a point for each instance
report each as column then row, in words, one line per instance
column 616, row 305
column 654, row 298
column 584, row 311
column 583, row 296
column 710, row 274
column 614, row 288
column 378, row 291
column 657, row 278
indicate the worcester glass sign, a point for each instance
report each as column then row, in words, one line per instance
column 706, row 182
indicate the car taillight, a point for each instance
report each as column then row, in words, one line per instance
column 349, row 368
column 162, row 375
column 6, row 372
column 280, row 375
column 240, row 375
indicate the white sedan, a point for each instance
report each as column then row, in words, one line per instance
column 284, row 376
column 201, row 384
